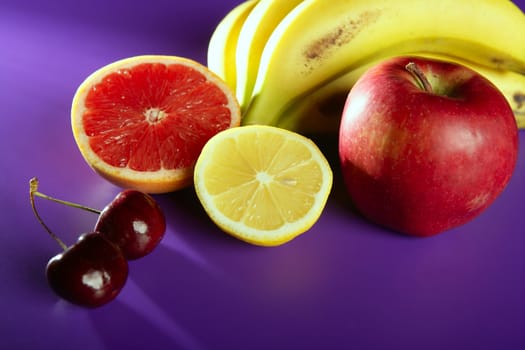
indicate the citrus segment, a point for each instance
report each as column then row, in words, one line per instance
column 262, row 184
column 141, row 122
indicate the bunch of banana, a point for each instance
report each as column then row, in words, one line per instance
column 292, row 62
column 223, row 43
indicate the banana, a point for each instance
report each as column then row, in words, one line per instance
column 321, row 40
column 320, row 112
column 512, row 85
column 256, row 30
column 223, row 42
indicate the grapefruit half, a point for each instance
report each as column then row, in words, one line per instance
column 141, row 122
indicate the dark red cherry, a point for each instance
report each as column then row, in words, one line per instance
column 133, row 221
column 89, row 273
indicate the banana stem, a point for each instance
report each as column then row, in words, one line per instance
column 414, row 69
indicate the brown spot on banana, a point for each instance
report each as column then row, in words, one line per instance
column 342, row 33
column 519, row 99
column 498, row 62
column 518, row 107
column 507, row 63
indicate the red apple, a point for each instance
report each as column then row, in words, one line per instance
column 425, row 147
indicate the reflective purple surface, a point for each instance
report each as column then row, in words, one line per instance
column 345, row 284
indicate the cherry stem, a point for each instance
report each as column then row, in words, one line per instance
column 33, row 189
column 414, row 69
column 34, row 182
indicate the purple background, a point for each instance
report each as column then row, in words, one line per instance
column 344, row 284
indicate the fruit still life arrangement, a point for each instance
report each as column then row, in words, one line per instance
column 426, row 111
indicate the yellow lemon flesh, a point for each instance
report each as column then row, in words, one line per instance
column 262, row 184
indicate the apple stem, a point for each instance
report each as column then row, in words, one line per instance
column 33, row 189
column 414, row 69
